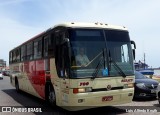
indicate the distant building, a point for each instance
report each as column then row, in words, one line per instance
column 143, row 68
column 2, row 64
column 140, row 65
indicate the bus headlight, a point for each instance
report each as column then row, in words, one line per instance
column 82, row 90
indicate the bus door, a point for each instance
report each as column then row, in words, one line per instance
column 46, row 56
column 65, row 67
column 62, row 63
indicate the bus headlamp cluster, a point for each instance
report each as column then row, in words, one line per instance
column 82, row 90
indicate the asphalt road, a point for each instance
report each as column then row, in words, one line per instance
column 10, row 98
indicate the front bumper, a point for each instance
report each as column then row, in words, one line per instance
column 82, row 101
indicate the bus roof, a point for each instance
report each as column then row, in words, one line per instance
column 77, row 25
column 90, row 25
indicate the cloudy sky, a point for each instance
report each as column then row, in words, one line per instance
column 23, row 19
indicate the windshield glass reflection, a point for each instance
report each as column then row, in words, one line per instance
column 87, row 46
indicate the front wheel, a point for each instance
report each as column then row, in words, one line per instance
column 51, row 97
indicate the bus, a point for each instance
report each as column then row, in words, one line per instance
column 47, row 66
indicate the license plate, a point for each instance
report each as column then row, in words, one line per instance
column 107, row 98
column 153, row 91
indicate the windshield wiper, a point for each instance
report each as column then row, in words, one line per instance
column 97, row 69
column 116, row 66
column 99, row 65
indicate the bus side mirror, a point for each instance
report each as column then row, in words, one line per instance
column 134, row 44
column 134, row 53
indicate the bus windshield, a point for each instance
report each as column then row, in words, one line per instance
column 88, row 49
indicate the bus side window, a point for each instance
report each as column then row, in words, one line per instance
column 10, row 57
column 23, row 53
column 18, row 55
column 124, row 53
column 38, row 49
column 14, row 56
column 46, row 38
column 49, row 46
column 30, row 51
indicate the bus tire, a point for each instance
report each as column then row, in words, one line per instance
column 17, row 85
column 51, row 97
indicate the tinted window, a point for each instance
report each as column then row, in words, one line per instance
column 38, row 49
column 87, row 35
column 118, row 36
column 23, row 53
column 30, row 51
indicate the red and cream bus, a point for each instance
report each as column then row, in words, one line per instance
column 47, row 66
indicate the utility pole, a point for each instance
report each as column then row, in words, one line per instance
column 144, row 60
